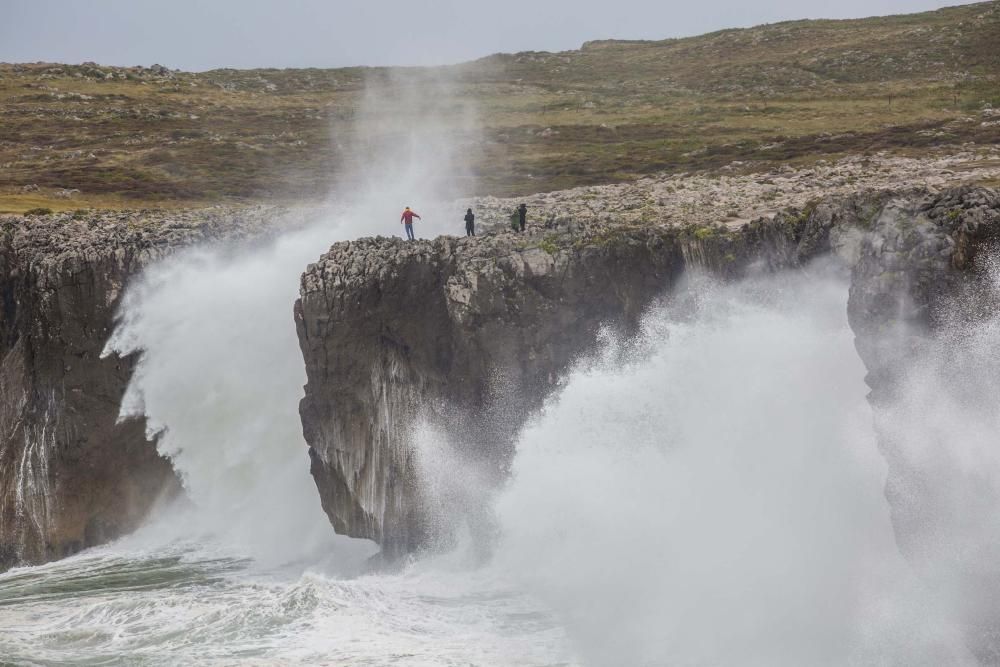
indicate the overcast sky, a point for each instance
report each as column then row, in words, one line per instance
column 197, row 35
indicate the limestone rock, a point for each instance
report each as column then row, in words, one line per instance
column 472, row 334
column 71, row 476
column 919, row 288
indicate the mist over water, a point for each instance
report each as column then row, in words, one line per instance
column 717, row 497
column 942, row 428
column 249, row 570
column 219, row 381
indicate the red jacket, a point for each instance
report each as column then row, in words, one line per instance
column 408, row 217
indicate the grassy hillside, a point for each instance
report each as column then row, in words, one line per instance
column 782, row 93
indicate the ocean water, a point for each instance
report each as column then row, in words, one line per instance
column 708, row 493
column 185, row 604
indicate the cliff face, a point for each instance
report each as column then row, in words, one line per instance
column 471, row 335
column 71, row 476
column 916, row 269
column 924, row 290
column 920, row 285
column 394, row 331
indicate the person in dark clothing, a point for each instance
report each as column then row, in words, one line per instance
column 522, row 215
column 407, row 220
column 470, row 223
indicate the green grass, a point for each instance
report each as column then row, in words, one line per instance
column 787, row 93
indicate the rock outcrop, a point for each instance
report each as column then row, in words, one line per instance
column 71, row 475
column 915, row 266
column 925, row 296
column 735, row 198
column 471, row 335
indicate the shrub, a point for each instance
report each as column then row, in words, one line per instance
column 548, row 244
column 703, row 233
column 39, row 211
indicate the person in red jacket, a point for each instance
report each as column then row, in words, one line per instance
column 407, row 220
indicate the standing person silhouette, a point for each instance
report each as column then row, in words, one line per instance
column 522, row 215
column 407, row 220
column 470, row 223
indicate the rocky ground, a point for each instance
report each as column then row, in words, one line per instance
column 56, row 236
column 725, row 197
column 734, row 199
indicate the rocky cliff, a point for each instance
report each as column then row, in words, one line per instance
column 71, row 475
column 925, row 295
column 469, row 336
column 917, row 267
column 472, row 333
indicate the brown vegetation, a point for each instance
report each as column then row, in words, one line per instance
column 786, row 93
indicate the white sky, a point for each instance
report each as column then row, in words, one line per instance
column 197, row 35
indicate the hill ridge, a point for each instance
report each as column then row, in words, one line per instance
column 601, row 114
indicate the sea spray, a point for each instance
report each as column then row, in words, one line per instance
column 220, row 373
column 219, row 380
column 718, row 498
column 938, row 424
column 708, row 493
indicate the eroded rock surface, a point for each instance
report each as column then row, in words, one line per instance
column 466, row 332
column 471, row 335
column 474, row 333
column 70, row 475
column 925, row 296
column 916, row 264
column 733, row 198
